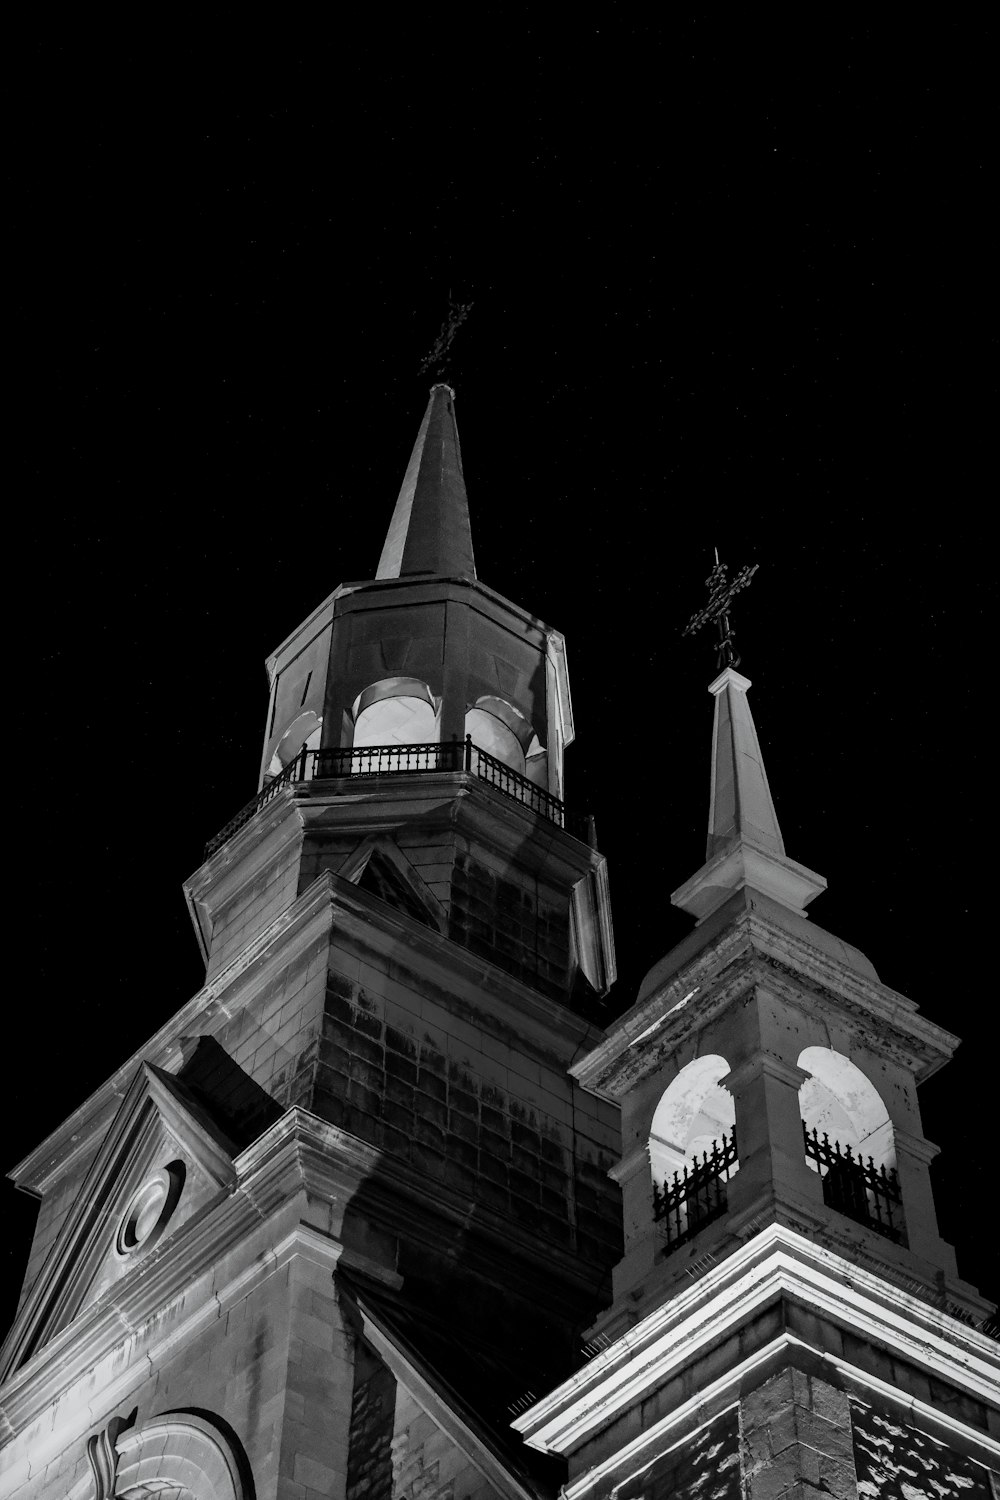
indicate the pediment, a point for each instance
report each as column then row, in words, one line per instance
column 162, row 1161
column 380, row 867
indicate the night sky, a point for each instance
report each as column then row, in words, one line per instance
column 731, row 287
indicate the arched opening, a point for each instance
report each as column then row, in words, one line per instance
column 396, row 711
column 303, row 732
column 181, row 1455
column 692, row 1150
column 849, row 1141
column 694, row 1112
column 838, row 1101
column 500, row 729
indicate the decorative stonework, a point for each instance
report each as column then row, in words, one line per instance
column 149, row 1210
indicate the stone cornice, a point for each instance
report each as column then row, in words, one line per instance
column 398, row 592
column 135, row 1312
column 302, row 1167
column 777, row 1263
column 751, row 950
column 916, row 1146
column 766, row 1064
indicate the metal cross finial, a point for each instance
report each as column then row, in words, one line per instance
column 437, row 358
column 720, row 596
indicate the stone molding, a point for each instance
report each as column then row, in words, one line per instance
column 178, row 1450
column 87, row 1233
column 776, row 1264
column 767, row 1065
column 292, row 1186
column 916, row 1146
column 753, row 950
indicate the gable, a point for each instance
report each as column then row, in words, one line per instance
column 379, row 867
column 161, row 1161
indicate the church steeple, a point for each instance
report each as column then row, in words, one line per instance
column 430, row 530
column 745, row 847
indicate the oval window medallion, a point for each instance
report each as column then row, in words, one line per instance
column 149, row 1209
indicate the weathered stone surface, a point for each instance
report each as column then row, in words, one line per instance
column 795, row 1430
column 895, row 1461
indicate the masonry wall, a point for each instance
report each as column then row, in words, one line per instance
column 894, row 1461
column 426, row 1464
column 276, row 1365
column 519, row 923
column 275, row 1038
column 52, row 1211
column 705, row 1467
column 467, row 1105
column 795, row 1430
column 430, row 849
column 262, row 897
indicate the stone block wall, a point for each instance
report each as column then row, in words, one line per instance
column 426, row 1463
column 275, row 1038
column 706, row 1467
column 517, row 923
column 469, row 1109
column 896, row 1462
column 264, row 896
column 276, row 1365
column 795, row 1439
column 430, row 850
column 373, row 1415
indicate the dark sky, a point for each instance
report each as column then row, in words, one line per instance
column 731, row 287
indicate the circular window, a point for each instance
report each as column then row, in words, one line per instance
column 149, row 1209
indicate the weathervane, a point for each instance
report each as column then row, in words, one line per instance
column 720, row 596
column 435, row 360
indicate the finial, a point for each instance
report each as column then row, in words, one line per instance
column 437, row 358
column 720, row 596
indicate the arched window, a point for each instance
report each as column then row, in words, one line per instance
column 500, row 729
column 694, row 1112
column 305, row 732
column 849, row 1142
column 183, row 1455
column 396, row 711
column 692, row 1150
column 837, row 1100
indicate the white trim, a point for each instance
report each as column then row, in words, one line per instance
column 775, row 1262
column 714, row 1395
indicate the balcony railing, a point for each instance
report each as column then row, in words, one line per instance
column 697, row 1195
column 865, row 1193
column 369, row 762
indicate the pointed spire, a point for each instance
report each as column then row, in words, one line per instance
column 745, row 847
column 430, row 532
column 741, row 805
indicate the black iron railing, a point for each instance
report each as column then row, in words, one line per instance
column 370, row 761
column 698, row 1193
column 860, row 1191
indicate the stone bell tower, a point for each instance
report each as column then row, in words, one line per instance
column 786, row 1317
column 348, row 1205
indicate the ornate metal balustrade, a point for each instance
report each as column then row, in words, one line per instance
column 370, row 761
column 865, row 1193
column 697, row 1195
